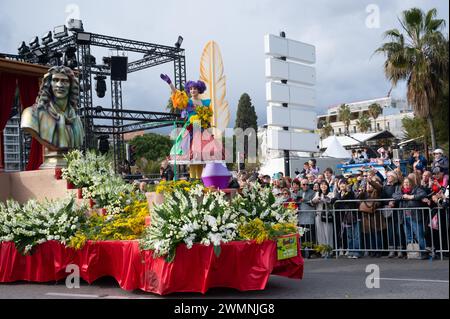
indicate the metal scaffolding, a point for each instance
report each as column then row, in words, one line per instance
column 80, row 43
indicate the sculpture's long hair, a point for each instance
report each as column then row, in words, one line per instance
column 46, row 93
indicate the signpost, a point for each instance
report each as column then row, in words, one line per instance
column 287, row 247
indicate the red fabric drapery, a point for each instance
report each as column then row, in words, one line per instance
column 7, row 92
column 242, row 265
column 28, row 90
column 35, row 159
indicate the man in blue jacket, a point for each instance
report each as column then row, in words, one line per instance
column 417, row 161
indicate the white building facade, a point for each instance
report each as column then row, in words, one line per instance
column 11, row 145
column 394, row 110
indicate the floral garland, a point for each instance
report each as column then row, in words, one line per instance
column 35, row 223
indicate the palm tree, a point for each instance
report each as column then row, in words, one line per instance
column 375, row 110
column 418, row 56
column 344, row 115
column 326, row 129
column 363, row 123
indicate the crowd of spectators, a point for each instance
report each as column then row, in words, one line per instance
column 365, row 212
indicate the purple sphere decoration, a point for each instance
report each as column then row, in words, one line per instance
column 217, row 175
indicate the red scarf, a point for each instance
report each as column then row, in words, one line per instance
column 435, row 188
column 406, row 190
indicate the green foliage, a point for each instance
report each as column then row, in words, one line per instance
column 344, row 115
column 326, row 130
column 440, row 117
column 415, row 127
column 323, row 249
column 152, row 147
column 246, row 115
column 246, row 118
column 363, row 123
column 148, row 167
column 374, row 110
column 418, row 54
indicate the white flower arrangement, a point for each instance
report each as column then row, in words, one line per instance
column 35, row 223
column 87, row 169
column 189, row 217
column 112, row 193
column 259, row 202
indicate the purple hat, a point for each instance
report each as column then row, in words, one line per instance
column 200, row 85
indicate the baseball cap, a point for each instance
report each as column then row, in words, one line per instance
column 438, row 150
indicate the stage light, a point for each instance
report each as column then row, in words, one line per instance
column 23, row 49
column 70, row 58
column 75, row 25
column 103, row 144
column 55, row 57
column 89, row 60
column 34, row 43
column 83, row 38
column 42, row 57
column 100, row 85
column 179, row 42
column 60, row 32
column 38, row 52
column 47, row 38
column 98, row 109
column 107, row 61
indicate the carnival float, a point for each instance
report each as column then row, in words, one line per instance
column 188, row 236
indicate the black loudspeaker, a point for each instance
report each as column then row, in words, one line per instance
column 119, row 68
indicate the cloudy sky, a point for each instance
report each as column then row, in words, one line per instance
column 346, row 69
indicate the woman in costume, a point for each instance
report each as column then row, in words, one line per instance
column 189, row 143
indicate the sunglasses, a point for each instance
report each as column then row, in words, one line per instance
column 304, row 184
column 285, row 193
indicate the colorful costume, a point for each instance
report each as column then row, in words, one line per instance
column 194, row 145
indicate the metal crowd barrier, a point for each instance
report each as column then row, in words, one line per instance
column 387, row 230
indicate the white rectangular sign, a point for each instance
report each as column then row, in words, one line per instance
column 292, row 141
column 292, row 116
column 277, row 69
column 294, row 50
column 304, row 142
column 278, row 139
column 285, row 93
column 278, row 116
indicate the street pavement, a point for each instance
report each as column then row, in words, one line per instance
column 323, row 278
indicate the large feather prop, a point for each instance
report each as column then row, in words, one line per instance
column 212, row 73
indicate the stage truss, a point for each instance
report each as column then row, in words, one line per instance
column 81, row 43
